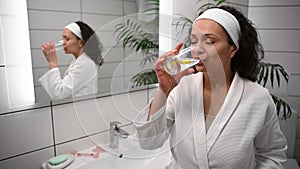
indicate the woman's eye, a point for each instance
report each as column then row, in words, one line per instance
column 209, row 42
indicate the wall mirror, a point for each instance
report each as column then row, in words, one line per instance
column 47, row 20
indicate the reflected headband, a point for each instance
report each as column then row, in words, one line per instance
column 73, row 27
column 226, row 20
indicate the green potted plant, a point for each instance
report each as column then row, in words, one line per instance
column 136, row 36
column 132, row 35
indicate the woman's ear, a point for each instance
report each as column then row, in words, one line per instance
column 234, row 49
column 81, row 43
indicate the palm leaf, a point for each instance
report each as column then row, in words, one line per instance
column 131, row 34
column 182, row 23
column 267, row 72
column 144, row 78
column 215, row 3
column 134, row 35
column 282, row 105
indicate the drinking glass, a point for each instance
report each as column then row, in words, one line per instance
column 183, row 60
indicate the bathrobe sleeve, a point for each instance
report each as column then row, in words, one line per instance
column 79, row 73
column 153, row 133
column 270, row 142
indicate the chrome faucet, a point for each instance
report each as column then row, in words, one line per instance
column 116, row 133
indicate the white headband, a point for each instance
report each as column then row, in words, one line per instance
column 73, row 27
column 226, row 20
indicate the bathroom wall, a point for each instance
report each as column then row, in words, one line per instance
column 30, row 136
column 47, row 20
column 279, row 29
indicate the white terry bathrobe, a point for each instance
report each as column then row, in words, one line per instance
column 245, row 134
column 79, row 79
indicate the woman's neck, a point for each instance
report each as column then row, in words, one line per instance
column 218, row 81
column 79, row 53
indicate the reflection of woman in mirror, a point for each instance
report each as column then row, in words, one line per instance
column 81, row 76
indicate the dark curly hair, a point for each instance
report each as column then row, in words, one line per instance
column 92, row 46
column 250, row 52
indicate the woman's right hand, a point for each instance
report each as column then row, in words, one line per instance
column 50, row 54
column 168, row 82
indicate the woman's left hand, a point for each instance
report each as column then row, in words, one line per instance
column 168, row 82
column 50, row 54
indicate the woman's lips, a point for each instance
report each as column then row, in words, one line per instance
column 200, row 63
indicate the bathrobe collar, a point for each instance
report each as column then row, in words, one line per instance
column 230, row 103
column 205, row 140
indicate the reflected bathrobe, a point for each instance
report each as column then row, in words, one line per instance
column 245, row 134
column 79, row 79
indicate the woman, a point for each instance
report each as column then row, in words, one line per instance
column 220, row 117
column 81, row 76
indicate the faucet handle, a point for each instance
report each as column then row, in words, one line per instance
column 115, row 124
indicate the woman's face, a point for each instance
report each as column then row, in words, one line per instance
column 213, row 45
column 72, row 45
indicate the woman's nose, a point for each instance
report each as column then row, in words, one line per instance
column 198, row 50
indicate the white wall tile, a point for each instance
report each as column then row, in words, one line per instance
column 290, row 61
column 272, row 2
column 39, row 60
column 57, row 5
column 4, row 104
column 132, row 55
column 241, row 8
column 114, row 7
column 298, row 126
column 50, row 20
column 107, row 109
column 122, row 107
column 111, row 84
column 288, row 128
column 297, row 148
column 242, row 2
column 130, row 7
column 37, row 73
column 129, row 104
column 77, row 119
column 132, row 67
column 32, row 160
column 108, row 38
column 294, row 85
column 111, row 69
column 41, row 95
column 128, row 81
column 118, row 84
column 276, row 17
column 280, row 40
column 294, row 103
column 25, row 131
column 102, row 22
column 83, row 143
column 113, row 54
column 39, row 37
column 1, row 44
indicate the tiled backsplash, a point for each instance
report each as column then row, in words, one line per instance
column 30, row 137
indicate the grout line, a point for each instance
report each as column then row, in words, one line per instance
column 21, row 110
column 53, row 131
column 29, row 152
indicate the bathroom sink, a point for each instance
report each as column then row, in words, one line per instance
column 114, row 162
column 130, row 148
column 129, row 155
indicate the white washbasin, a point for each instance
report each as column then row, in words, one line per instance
column 130, row 148
column 114, row 162
column 129, row 155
